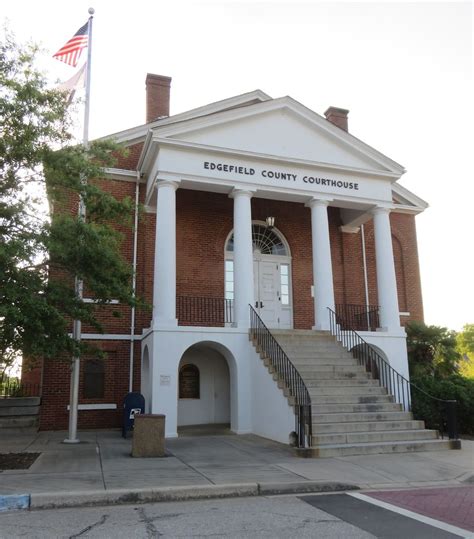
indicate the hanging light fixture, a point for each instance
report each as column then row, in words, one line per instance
column 270, row 222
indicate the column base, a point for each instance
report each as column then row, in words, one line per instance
column 169, row 323
column 320, row 327
column 243, row 324
column 393, row 330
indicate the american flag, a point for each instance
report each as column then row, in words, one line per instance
column 71, row 51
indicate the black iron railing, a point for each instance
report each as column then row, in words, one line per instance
column 269, row 348
column 396, row 384
column 16, row 388
column 359, row 317
column 204, row 311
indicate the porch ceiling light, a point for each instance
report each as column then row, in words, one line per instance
column 270, row 222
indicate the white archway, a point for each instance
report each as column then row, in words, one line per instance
column 206, row 385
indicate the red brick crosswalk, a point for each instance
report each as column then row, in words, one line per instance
column 453, row 505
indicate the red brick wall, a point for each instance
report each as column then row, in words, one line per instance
column 204, row 221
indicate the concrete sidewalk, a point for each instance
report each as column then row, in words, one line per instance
column 101, row 470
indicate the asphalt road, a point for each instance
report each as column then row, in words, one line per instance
column 325, row 516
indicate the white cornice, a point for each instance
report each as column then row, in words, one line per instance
column 297, row 195
column 121, row 174
column 414, row 202
column 183, row 145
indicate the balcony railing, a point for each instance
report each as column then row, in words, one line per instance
column 358, row 317
column 204, row 311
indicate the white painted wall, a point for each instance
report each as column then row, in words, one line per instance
column 272, row 416
column 393, row 348
column 213, row 405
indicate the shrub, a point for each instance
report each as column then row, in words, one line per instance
column 454, row 387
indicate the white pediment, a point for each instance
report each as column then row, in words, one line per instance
column 285, row 129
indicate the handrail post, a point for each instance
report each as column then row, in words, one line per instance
column 452, row 420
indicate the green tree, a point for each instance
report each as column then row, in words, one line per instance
column 432, row 350
column 465, row 346
column 39, row 255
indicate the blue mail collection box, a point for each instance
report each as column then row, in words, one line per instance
column 133, row 404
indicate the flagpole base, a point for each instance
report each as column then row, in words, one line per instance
column 73, row 441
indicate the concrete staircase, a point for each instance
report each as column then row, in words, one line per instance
column 19, row 413
column 351, row 413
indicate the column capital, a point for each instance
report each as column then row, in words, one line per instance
column 169, row 183
column 318, row 202
column 381, row 210
column 242, row 191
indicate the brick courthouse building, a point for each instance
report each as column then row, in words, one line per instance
column 343, row 237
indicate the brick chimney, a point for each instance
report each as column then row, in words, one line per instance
column 157, row 96
column 337, row 117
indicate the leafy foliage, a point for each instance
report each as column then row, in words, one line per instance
column 453, row 387
column 40, row 256
column 465, row 346
column 432, row 350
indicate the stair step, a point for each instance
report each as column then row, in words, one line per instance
column 311, row 333
column 361, row 416
column 6, row 402
column 314, row 376
column 344, row 450
column 371, row 437
column 342, row 383
column 315, row 351
column 13, row 422
column 355, row 389
column 317, row 361
column 344, row 398
column 350, row 408
column 366, row 426
column 316, row 368
column 7, row 411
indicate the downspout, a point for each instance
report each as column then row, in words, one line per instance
column 366, row 281
column 134, row 280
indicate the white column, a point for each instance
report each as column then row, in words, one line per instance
column 386, row 278
column 243, row 257
column 322, row 264
column 164, row 278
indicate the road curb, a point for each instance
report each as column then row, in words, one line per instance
column 57, row 500
column 131, row 496
column 304, row 487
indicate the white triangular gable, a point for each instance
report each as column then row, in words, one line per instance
column 282, row 128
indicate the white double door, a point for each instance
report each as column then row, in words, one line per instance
column 272, row 307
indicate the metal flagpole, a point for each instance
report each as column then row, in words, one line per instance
column 79, row 285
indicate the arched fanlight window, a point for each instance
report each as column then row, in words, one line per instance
column 265, row 241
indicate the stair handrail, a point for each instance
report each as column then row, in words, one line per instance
column 380, row 369
column 266, row 342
